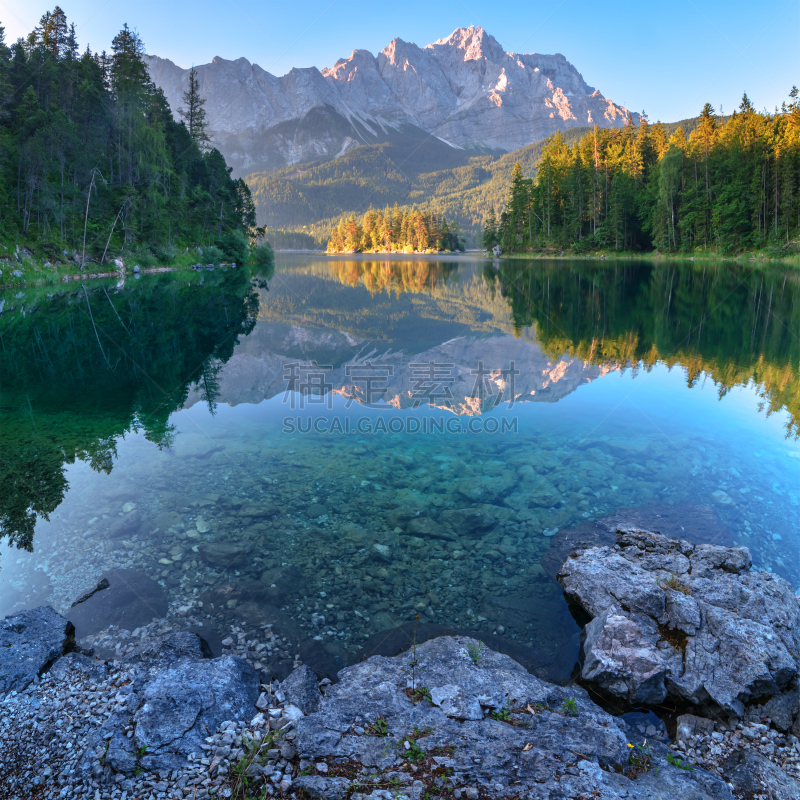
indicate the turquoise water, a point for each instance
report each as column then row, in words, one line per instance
column 333, row 519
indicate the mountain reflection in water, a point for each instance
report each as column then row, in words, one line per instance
column 142, row 428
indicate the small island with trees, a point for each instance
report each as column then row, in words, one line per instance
column 395, row 231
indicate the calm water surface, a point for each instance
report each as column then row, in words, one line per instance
column 339, row 446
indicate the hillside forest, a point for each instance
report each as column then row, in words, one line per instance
column 732, row 185
column 92, row 161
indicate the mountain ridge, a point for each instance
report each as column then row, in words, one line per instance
column 463, row 89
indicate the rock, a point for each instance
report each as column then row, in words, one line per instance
column 469, row 521
column 194, row 445
column 302, row 690
column 282, row 582
column 30, row 641
column 126, row 525
column 165, row 651
column 122, row 597
column 694, row 522
column 480, row 750
column 223, row 555
column 322, row 788
column 77, row 664
column 382, row 552
column 755, row 775
column 689, row 725
column 670, row 617
column 427, row 528
column 177, row 707
column 783, row 709
column 323, row 663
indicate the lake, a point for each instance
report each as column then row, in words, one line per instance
column 301, row 461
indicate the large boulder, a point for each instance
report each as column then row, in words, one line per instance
column 177, row 696
column 756, row 776
column 672, row 618
column 30, row 641
column 485, row 721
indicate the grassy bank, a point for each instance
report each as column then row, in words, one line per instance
column 628, row 255
column 20, row 267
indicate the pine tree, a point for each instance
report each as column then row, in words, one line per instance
column 193, row 113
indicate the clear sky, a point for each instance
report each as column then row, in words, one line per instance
column 667, row 58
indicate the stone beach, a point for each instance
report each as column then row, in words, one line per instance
column 449, row 717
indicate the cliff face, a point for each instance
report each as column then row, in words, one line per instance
column 464, row 89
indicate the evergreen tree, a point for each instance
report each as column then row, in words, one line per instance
column 193, row 113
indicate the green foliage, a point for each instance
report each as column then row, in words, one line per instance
column 475, row 652
column 89, row 365
column 411, row 750
column 394, row 231
column 673, row 583
column 641, row 758
column 378, row 728
column 647, row 315
column 263, row 254
column 569, row 706
column 410, row 169
column 235, row 247
column 88, row 143
column 503, row 715
column 732, row 185
column 678, row 762
column 213, row 255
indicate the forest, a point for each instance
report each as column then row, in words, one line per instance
column 732, row 185
column 395, row 231
column 92, row 161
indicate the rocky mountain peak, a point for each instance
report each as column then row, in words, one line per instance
column 474, row 41
column 463, row 89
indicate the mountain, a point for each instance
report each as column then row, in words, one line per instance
column 464, row 90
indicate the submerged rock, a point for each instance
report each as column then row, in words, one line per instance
column 122, row 597
column 689, row 621
column 29, row 642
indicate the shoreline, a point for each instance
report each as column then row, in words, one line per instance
column 447, row 717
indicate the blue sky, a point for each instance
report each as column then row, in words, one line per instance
column 667, row 58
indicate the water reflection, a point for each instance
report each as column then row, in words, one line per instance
column 82, row 368
column 180, row 384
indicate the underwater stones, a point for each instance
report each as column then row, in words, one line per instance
column 384, row 621
column 381, row 552
column 223, row 554
column 543, row 495
column 427, row 528
column 474, row 491
column 721, row 497
column 194, row 445
column 316, row 510
column 282, row 582
column 125, row 597
column 690, row 621
column 259, row 510
column 470, row 521
column 202, row 526
column 29, row 642
column 123, row 526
